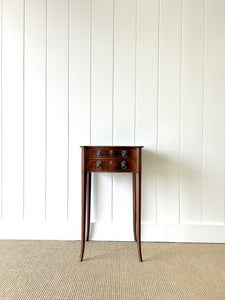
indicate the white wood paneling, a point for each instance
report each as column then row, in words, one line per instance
column 146, row 101
column 124, row 71
column 191, row 111
column 214, row 112
column 113, row 72
column 12, row 110
column 124, row 100
column 79, row 100
column 169, row 111
column 101, row 101
column 34, row 110
column 57, row 109
column 101, row 66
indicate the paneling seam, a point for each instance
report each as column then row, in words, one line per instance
column 157, row 112
column 180, row 121
column 113, row 49
column 68, row 111
column 203, row 114
column 1, row 116
column 46, row 112
column 135, row 73
column 91, row 22
column 24, row 110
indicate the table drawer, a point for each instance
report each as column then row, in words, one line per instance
column 122, row 153
column 111, row 165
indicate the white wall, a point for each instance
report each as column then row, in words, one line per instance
column 113, row 72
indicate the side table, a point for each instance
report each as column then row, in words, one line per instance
column 110, row 159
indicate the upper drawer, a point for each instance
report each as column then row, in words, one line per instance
column 111, row 152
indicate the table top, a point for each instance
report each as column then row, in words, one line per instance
column 98, row 146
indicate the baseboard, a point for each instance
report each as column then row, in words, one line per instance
column 114, row 232
column 161, row 233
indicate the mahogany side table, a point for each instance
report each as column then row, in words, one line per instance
column 110, row 159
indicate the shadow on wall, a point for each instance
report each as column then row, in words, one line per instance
column 166, row 181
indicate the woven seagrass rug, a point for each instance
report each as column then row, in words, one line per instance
column 111, row 270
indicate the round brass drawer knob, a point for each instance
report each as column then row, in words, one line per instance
column 123, row 164
column 124, row 154
column 99, row 153
column 99, row 164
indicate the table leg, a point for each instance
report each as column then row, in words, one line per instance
column 134, row 206
column 83, row 221
column 138, row 213
column 88, row 204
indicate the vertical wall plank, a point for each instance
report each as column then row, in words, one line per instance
column 79, row 96
column 191, row 110
column 12, row 110
column 146, row 102
column 1, row 110
column 214, row 112
column 101, row 100
column 124, row 72
column 102, row 63
column 124, row 99
column 34, row 110
column 57, row 109
column 169, row 112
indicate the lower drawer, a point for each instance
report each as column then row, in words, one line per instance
column 111, row 165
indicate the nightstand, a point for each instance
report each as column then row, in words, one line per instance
column 111, row 159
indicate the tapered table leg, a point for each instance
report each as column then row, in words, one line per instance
column 83, row 221
column 88, row 204
column 138, row 214
column 134, row 206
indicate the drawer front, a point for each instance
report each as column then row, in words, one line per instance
column 111, row 165
column 121, row 153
